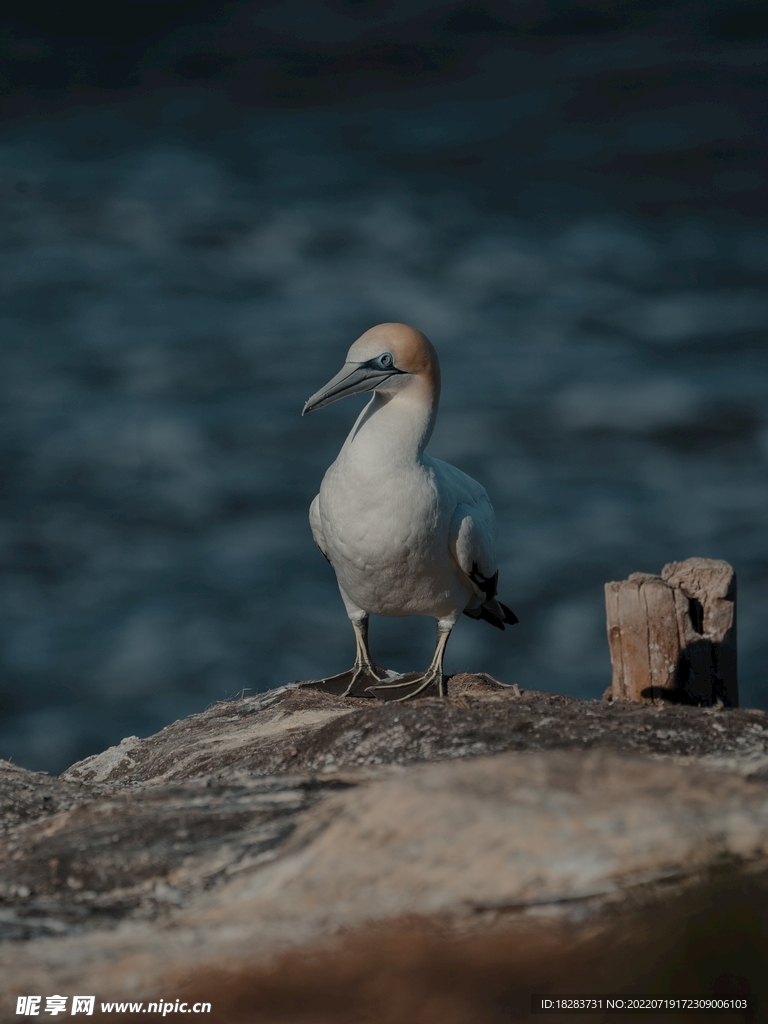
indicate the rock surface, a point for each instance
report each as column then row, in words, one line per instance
column 273, row 821
column 291, row 729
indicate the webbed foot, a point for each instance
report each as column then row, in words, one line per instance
column 417, row 684
column 354, row 683
column 413, row 684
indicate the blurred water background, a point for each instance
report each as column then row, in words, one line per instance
column 204, row 205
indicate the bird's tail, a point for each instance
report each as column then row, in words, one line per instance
column 493, row 611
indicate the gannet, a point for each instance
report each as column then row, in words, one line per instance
column 407, row 534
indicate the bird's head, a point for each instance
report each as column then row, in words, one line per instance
column 386, row 359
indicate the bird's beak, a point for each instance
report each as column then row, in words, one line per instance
column 351, row 379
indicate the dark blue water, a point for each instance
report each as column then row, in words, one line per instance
column 179, row 273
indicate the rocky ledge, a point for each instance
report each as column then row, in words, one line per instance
column 275, row 822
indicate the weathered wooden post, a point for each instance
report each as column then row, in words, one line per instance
column 673, row 637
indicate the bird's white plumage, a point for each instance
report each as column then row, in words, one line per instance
column 316, row 525
column 473, row 534
column 407, row 534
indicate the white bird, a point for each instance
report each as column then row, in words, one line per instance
column 406, row 534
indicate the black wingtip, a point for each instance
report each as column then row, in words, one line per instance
column 509, row 616
column 487, row 616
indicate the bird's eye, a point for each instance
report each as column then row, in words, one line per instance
column 385, row 360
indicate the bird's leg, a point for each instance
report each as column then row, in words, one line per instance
column 363, row 662
column 363, row 674
column 417, row 685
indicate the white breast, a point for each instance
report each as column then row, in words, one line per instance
column 385, row 527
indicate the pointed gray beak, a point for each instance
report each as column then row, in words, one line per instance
column 351, row 379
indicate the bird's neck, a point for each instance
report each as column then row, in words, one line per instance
column 395, row 428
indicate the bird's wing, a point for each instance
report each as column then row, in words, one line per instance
column 472, row 533
column 472, row 541
column 317, row 527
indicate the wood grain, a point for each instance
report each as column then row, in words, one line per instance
column 673, row 637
